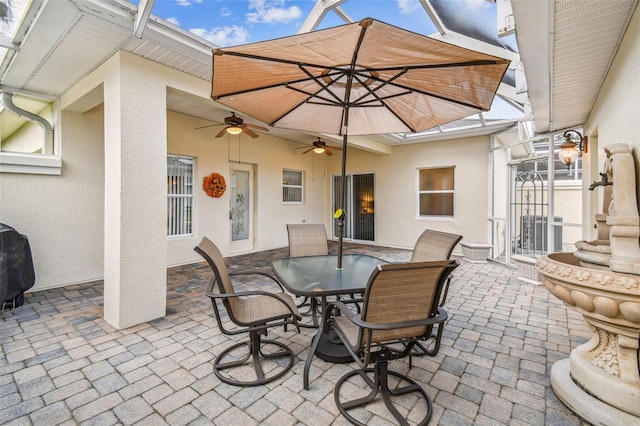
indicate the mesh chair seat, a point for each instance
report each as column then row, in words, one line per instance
column 262, row 309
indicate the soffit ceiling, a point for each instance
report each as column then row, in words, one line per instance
column 67, row 40
column 567, row 47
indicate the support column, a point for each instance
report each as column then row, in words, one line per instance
column 135, row 241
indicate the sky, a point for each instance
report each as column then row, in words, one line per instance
column 233, row 22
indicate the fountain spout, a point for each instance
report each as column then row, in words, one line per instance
column 603, row 182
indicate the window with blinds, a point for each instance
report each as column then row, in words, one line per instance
column 292, row 186
column 436, row 192
column 179, row 196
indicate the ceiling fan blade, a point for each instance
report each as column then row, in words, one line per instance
column 336, row 148
column 204, row 127
column 328, row 152
column 302, row 147
column 250, row 132
column 309, row 149
column 221, row 133
column 253, row 126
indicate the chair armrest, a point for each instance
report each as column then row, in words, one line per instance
column 231, row 274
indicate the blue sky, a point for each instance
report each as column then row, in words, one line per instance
column 234, row 22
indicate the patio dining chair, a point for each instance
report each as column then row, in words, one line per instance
column 252, row 312
column 431, row 246
column 310, row 239
column 400, row 306
column 434, row 245
column 307, row 239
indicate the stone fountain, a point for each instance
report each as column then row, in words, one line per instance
column 600, row 381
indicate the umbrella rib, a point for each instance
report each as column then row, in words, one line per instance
column 381, row 100
column 286, row 84
column 480, row 62
column 371, row 91
column 426, row 93
column 254, row 89
column 319, row 83
column 314, row 95
column 220, row 52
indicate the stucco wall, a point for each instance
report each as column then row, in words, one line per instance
column 63, row 215
column 397, row 221
column 269, row 155
column 615, row 117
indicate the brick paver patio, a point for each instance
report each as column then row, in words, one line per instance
column 61, row 363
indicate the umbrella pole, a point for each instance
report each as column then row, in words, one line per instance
column 343, row 198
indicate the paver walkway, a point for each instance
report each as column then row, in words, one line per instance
column 61, row 363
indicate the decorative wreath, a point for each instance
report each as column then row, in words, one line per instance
column 214, row 185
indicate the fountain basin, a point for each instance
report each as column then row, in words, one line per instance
column 606, row 367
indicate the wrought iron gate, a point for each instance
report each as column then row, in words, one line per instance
column 528, row 212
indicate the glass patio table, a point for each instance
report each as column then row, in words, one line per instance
column 319, row 277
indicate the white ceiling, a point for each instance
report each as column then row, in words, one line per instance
column 566, row 47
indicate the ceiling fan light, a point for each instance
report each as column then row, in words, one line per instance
column 234, row 130
column 318, row 150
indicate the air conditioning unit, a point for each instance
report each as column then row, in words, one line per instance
column 533, row 234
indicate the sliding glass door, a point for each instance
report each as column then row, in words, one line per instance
column 360, row 220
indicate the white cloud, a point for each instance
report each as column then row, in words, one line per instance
column 186, row 3
column 223, row 36
column 272, row 12
column 477, row 4
column 174, row 20
column 407, row 6
column 225, row 12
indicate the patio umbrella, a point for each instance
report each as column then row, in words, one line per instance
column 363, row 78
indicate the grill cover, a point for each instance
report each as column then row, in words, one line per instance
column 16, row 266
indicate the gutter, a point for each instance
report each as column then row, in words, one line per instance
column 7, row 101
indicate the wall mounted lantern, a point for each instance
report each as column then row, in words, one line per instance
column 570, row 150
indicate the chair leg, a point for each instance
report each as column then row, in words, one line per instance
column 380, row 385
column 255, row 351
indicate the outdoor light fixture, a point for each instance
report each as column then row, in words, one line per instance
column 234, row 130
column 568, row 150
column 318, row 150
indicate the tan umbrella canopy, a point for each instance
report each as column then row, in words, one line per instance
column 364, row 78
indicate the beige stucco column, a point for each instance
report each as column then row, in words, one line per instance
column 135, row 241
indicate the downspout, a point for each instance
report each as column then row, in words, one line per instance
column 7, row 101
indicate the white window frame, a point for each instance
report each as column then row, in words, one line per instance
column 442, row 191
column 286, row 185
column 184, row 224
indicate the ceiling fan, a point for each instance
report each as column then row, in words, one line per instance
column 320, row 147
column 235, row 126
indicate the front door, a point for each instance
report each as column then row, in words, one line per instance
column 241, row 208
